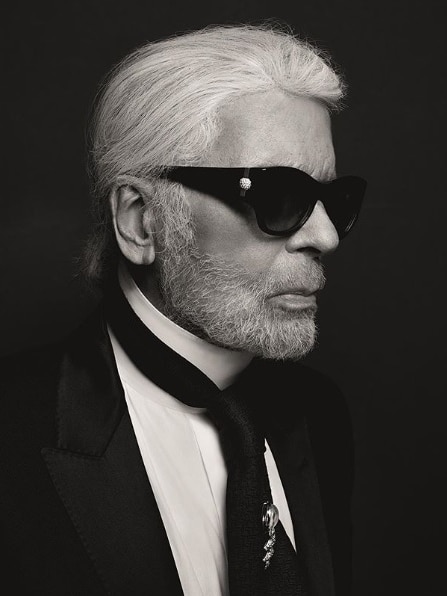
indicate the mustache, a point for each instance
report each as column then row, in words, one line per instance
column 301, row 277
column 305, row 279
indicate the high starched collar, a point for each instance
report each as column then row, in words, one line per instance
column 221, row 365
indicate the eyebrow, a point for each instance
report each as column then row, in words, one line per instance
column 324, row 176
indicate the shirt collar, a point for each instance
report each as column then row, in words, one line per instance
column 221, row 365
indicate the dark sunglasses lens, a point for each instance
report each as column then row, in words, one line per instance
column 283, row 202
column 287, row 201
column 344, row 202
column 283, row 212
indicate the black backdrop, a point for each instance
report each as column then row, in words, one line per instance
column 382, row 314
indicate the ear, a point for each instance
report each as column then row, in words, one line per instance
column 133, row 219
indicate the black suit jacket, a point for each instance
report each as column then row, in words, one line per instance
column 77, row 510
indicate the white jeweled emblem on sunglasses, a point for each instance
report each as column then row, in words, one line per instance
column 245, row 183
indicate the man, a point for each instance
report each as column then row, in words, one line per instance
column 174, row 444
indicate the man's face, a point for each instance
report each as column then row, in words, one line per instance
column 234, row 285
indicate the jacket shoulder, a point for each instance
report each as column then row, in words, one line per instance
column 28, row 393
column 21, row 366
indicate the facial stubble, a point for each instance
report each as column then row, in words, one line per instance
column 224, row 304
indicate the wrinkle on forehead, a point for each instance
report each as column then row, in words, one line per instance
column 274, row 129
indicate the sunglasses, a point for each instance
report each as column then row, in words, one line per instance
column 282, row 198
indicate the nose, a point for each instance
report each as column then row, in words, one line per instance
column 318, row 233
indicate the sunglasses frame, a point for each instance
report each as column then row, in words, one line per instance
column 248, row 184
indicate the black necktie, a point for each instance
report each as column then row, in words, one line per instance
column 250, row 536
column 248, row 499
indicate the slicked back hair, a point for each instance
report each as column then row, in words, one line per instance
column 160, row 107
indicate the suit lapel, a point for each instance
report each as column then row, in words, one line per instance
column 276, row 387
column 99, row 475
column 293, row 457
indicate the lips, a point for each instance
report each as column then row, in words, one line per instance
column 297, row 291
column 303, row 284
column 294, row 301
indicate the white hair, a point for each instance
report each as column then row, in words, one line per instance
column 160, row 105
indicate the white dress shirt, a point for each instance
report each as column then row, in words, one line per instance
column 181, row 451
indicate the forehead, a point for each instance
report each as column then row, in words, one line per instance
column 274, row 129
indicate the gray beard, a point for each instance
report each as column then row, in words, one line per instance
column 223, row 304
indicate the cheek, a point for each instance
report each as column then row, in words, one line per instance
column 233, row 236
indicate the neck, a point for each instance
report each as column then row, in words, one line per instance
column 146, row 281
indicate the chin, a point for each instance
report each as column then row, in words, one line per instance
column 283, row 338
column 297, row 351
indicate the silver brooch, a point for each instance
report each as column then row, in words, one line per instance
column 270, row 517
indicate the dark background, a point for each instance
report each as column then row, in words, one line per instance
column 382, row 314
